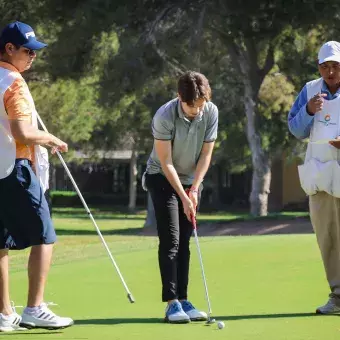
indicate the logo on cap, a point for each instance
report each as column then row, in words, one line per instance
column 29, row 34
column 20, row 34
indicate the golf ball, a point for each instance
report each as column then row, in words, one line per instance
column 220, row 325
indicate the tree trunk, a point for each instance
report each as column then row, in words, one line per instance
column 133, row 180
column 150, row 218
column 260, row 160
column 194, row 57
column 245, row 57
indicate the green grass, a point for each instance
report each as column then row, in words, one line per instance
column 263, row 287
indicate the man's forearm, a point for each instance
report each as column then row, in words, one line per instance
column 32, row 136
column 300, row 122
column 172, row 176
column 201, row 170
column 38, row 137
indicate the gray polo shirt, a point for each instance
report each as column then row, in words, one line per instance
column 169, row 123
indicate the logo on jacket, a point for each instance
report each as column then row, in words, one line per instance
column 327, row 120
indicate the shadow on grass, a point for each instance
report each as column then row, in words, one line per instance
column 32, row 333
column 81, row 232
column 118, row 321
column 98, row 217
column 269, row 316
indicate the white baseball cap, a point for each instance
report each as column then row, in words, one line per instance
column 330, row 51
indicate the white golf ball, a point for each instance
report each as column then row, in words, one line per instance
column 220, row 325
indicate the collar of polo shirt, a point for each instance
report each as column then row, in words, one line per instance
column 181, row 113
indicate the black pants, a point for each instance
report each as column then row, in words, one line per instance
column 174, row 232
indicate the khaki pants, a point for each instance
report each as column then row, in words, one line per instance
column 325, row 217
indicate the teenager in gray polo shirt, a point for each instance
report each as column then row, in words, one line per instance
column 184, row 131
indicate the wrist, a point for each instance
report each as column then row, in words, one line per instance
column 51, row 138
column 51, row 141
column 308, row 111
column 194, row 189
column 185, row 199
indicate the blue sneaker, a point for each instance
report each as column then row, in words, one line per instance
column 175, row 314
column 192, row 312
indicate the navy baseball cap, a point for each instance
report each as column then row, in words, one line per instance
column 20, row 34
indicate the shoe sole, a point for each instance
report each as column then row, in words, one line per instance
column 321, row 313
column 11, row 329
column 198, row 319
column 166, row 320
column 31, row 326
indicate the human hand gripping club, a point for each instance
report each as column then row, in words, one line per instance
column 188, row 206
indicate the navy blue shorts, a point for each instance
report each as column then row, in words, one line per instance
column 25, row 219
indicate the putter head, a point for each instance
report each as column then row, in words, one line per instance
column 130, row 297
column 210, row 321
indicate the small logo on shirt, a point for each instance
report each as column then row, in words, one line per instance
column 327, row 120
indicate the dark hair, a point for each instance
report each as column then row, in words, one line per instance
column 193, row 86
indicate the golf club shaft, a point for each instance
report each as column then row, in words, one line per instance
column 129, row 295
column 202, row 267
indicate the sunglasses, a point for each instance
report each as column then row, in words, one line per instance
column 29, row 52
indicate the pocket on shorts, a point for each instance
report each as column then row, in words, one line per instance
column 23, row 175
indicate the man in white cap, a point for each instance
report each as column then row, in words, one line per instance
column 316, row 115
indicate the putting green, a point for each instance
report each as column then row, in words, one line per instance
column 262, row 287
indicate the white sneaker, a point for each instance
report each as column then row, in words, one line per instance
column 175, row 314
column 193, row 313
column 43, row 317
column 11, row 323
column 331, row 307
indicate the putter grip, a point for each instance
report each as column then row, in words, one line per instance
column 193, row 219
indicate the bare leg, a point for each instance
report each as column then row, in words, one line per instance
column 38, row 267
column 5, row 303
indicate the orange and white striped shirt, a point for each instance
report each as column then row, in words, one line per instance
column 19, row 106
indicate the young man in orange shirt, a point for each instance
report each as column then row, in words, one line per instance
column 24, row 214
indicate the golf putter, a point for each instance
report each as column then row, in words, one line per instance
column 129, row 295
column 194, row 226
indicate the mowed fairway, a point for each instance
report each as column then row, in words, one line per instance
column 262, row 287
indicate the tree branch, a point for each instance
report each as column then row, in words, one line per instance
column 270, row 61
column 149, row 35
column 251, row 54
column 196, row 38
column 149, row 38
column 231, row 45
column 173, row 63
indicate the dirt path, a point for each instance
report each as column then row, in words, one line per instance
column 261, row 227
column 264, row 227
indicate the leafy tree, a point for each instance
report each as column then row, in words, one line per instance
column 253, row 32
